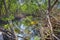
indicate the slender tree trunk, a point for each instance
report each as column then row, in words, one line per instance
column 10, row 22
column 49, row 24
column 48, row 17
column 48, row 20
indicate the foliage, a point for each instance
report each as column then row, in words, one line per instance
column 34, row 12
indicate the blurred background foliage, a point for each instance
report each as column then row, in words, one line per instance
column 24, row 16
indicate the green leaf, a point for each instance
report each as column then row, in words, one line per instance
column 24, row 7
column 36, row 38
column 6, row 26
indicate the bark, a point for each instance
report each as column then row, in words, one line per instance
column 48, row 17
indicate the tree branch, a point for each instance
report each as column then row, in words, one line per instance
column 54, row 4
column 55, row 37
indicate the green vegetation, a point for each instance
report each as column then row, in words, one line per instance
column 39, row 19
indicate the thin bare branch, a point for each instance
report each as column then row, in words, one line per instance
column 55, row 37
column 54, row 4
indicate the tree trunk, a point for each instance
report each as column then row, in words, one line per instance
column 48, row 18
